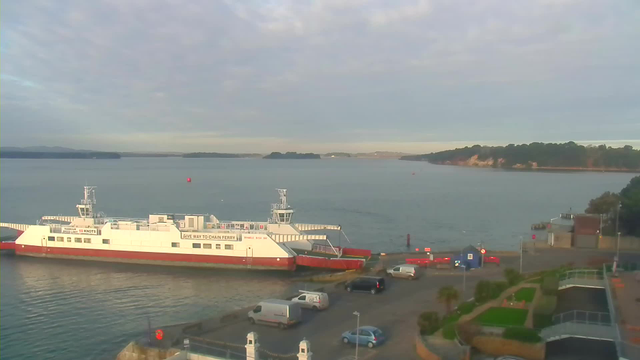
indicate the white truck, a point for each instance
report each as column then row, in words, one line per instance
column 281, row 313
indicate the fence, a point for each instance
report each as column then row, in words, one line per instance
column 583, row 317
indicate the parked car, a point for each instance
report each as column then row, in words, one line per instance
column 281, row 313
column 364, row 335
column 406, row 271
column 372, row 284
column 312, row 300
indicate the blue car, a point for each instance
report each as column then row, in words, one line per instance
column 365, row 335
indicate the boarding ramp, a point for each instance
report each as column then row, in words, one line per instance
column 582, row 324
column 582, row 278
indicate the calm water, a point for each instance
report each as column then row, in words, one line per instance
column 54, row 309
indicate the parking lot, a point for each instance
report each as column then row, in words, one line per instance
column 394, row 311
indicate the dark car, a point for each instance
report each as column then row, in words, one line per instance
column 372, row 284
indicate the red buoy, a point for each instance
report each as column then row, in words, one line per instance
column 188, row 180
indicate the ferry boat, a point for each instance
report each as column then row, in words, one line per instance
column 185, row 240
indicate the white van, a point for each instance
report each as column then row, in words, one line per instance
column 312, row 300
column 281, row 313
column 407, row 271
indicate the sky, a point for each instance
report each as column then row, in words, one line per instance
column 306, row 75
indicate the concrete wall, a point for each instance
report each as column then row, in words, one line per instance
column 437, row 348
column 562, row 240
column 498, row 346
column 626, row 243
column 134, row 351
column 423, row 351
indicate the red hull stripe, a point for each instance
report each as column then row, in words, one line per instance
column 283, row 263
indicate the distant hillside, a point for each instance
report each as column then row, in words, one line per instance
column 150, row 154
column 337, row 155
column 567, row 156
column 57, row 155
column 56, row 149
column 381, row 155
column 291, row 155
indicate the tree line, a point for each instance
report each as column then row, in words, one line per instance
column 620, row 211
column 566, row 155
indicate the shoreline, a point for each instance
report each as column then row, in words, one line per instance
column 539, row 168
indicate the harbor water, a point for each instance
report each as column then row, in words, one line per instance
column 58, row 309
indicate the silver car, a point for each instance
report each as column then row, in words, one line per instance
column 406, row 271
column 365, row 335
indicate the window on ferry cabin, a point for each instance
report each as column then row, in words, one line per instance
column 191, row 223
column 228, row 247
column 218, row 247
column 87, row 240
column 196, row 245
column 78, row 240
column 68, row 239
column 206, row 246
column 51, row 238
column 60, row 239
column 175, row 244
column 105, row 241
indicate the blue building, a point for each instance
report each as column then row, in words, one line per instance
column 469, row 257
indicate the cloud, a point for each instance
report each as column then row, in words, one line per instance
column 344, row 74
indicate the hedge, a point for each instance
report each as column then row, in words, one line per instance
column 489, row 290
column 429, row 322
column 543, row 312
column 497, row 288
column 466, row 307
column 550, row 285
column 449, row 331
column 521, row 334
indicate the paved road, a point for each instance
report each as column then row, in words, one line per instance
column 394, row 311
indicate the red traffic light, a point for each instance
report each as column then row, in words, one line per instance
column 483, row 251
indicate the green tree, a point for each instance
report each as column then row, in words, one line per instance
column 630, row 208
column 429, row 322
column 447, row 295
column 512, row 276
column 607, row 205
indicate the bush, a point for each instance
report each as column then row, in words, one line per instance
column 512, row 276
column 497, row 288
column 550, row 285
column 543, row 312
column 466, row 307
column 546, row 305
column 541, row 321
column 483, row 291
column 521, row 334
column 449, row 331
column 429, row 322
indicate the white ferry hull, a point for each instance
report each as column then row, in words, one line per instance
column 166, row 259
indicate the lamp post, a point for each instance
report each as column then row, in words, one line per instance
column 357, row 314
column 520, row 254
column 618, row 248
column 464, row 279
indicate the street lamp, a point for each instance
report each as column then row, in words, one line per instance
column 520, row 254
column 357, row 314
column 618, row 248
column 464, row 279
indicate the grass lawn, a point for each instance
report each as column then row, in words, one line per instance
column 525, row 294
column 503, row 317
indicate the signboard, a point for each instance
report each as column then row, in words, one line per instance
column 88, row 231
column 208, row 236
